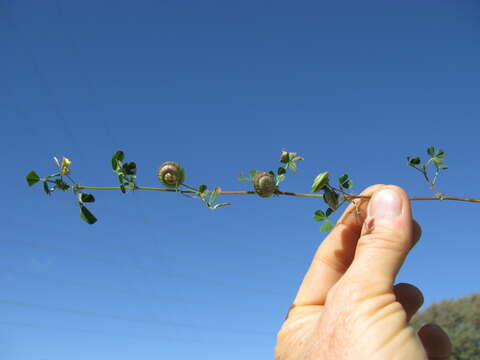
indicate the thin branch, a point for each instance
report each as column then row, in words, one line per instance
column 346, row 197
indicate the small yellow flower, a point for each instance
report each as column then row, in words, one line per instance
column 64, row 166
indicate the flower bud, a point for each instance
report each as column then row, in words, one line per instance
column 284, row 158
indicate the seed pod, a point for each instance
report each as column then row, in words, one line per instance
column 264, row 184
column 171, row 174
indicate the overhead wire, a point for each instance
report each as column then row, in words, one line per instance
column 42, row 326
column 133, row 251
column 153, row 321
column 59, row 114
column 105, row 287
column 141, row 268
column 145, row 270
column 44, row 84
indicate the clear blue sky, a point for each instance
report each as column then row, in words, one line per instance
column 221, row 87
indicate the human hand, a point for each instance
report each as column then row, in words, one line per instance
column 347, row 306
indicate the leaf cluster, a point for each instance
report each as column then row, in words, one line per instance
column 437, row 159
column 50, row 182
column 126, row 172
column 331, row 196
column 56, row 181
column 209, row 197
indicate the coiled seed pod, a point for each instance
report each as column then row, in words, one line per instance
column 171, row 174
column 264, row 184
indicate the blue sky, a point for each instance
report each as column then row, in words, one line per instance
column 220, row 87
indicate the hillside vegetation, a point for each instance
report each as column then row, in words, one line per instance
column 460, row 318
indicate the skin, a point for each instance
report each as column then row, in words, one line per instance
column 347, row 306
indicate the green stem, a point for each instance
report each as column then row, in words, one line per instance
column 346, row 197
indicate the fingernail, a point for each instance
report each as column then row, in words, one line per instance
column 386, row 204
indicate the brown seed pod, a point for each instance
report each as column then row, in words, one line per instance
column 264, row 184
column 171, row 174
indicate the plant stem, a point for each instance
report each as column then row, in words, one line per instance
column 346, row 197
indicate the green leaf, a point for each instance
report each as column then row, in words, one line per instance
column 438, row 160
column 440, row 153
column 292, row 155
column 344, row 182
column 122, row 188
column 86, row 198
column 118, row 156
column 343, row 178
column 130, row 168
column 214, row 195
column 297, row 158
column 242, row 178
column 32, row 178
column 202, row 188
column 281, row 170
column 293, row 166
column 87, row 216
column 331, row 198
column 414, row 161
column 327, row 226
column 252, row 173
column 348, row 184
column 431, row 151
column 444, row 167
column 320, row 182
column 328, row 212
column 319, row 215
column 46, row 188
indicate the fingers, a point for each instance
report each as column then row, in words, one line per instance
column 410, row 297
column 435, row 341
column 335, row 254
column 388, row 234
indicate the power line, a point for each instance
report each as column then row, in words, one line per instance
column 145, row 269
column 132, row 319
column 42, row 80
column 109, row 288
column 108, row 333
column 44, row 83
column 86, row 76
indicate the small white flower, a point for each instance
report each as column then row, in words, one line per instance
column 64, row 166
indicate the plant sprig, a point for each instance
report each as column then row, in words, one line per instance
column 437, row 158
column 265, row 184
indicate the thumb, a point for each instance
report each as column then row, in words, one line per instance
column 386, row 238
